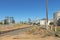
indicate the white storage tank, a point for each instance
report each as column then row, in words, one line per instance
column 56, row 17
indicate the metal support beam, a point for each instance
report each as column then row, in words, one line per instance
column 47, row 14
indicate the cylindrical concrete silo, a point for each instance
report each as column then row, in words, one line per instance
column 56, row 17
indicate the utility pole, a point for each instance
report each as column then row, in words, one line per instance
column 47, row 14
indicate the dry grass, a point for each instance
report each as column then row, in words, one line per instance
column 35, row 33
column 11, row 27
column 36, row 30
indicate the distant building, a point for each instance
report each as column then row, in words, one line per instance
column 8, row 20
column 12, row 21
column 43, row 21
column 56, row 17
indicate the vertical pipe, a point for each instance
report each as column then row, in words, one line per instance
column 47, row 14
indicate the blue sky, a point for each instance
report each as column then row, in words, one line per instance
column 24, row 9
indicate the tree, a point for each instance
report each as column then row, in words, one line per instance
column 51, row 23
column 1, row 23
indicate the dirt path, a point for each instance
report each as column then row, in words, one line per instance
column 27, row 37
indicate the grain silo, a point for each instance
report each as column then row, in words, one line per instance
column 56, row 17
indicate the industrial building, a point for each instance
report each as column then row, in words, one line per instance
column 43, row 21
